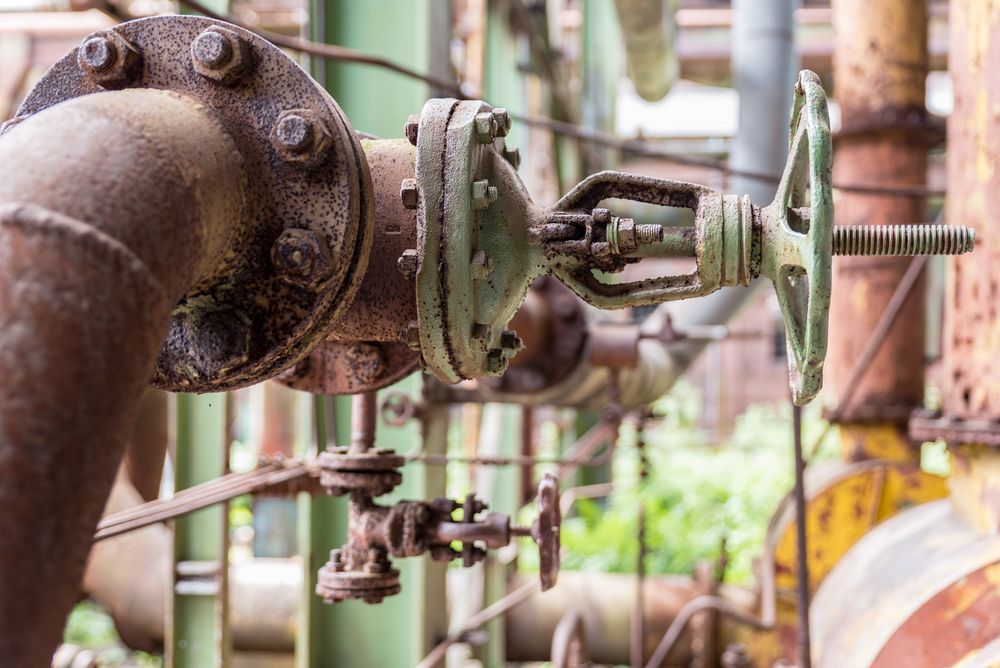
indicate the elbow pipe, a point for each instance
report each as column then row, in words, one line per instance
column 97, row 245
column 162, row 214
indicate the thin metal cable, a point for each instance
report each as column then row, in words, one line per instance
column 589, row 135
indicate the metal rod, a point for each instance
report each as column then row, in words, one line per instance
column 364, row 412
column 685, row 616
column 638, row 626
column 802, row 554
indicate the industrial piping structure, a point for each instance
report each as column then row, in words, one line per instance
column 252, row 247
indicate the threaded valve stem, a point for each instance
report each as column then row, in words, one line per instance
column 903, row 239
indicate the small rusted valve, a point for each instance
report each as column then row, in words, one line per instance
column 362, row 569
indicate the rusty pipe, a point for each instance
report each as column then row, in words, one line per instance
column 880, row 68
column 112, row 206
column 129, row 576
column 604, row 602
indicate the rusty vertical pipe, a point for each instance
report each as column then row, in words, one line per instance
column 111, row 207
column 880, row 68
column 147, row 448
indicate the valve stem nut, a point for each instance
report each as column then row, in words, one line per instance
column 483, row 194
column 486, row 127
column 408, row 263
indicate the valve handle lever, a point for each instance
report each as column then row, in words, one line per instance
column 796, row 239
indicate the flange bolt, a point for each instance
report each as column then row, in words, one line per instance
column 97, row 54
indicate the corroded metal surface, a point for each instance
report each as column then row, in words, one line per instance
column 844, row 502
column 919, row 590
column 102, row 230
column 880, row 71
column 552, row 325
column 297, row 253
column 367, row 349
column 971, row 381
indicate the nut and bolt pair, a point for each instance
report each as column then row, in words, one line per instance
column 221, row 55
column 300, row 136
column 110, row 59
column 492, row 124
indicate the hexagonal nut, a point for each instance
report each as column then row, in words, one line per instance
column 411, row 129
column 483, row 194
column 408, row 263
column 510, row 341
column 301, row 257
column 513, row 156
column 502, row 119
column 221, row 55
column 109, row 59
column 496, row 362
column 366, row 361
column 486, row 127
column 300, row 136
column 409, row 193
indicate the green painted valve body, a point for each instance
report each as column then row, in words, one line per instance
column 482, row 241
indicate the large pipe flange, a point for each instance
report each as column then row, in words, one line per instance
column 297, row 251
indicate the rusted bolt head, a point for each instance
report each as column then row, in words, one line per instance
column 221, row 55
column 409, row 193
column 482, row 264
column 502, row 119
column 408, row 263
column 513, row 156
column 366, row 362
column 411, row 128
column 97, row 53
column 483, row 194
column 109, row 59
column 299, row 135
column 486, row 127
column 301, row 257
column 481, row 334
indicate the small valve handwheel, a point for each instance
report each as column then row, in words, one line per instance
column 797, row 239
column 545, row 531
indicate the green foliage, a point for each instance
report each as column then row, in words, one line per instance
column 91, row 627
column 697, row 493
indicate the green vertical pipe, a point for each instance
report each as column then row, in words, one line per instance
column 399, row 631
column 199, row 636
column 352, row 633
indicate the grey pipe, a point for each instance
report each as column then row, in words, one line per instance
column 764, row 68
